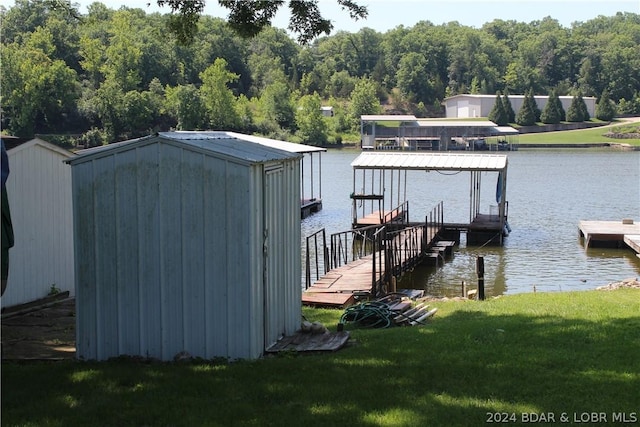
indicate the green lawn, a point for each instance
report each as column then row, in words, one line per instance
column 582, row 136
column 556, row 354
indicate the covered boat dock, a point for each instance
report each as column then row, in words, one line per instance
column 380, row 190
column 406, row 132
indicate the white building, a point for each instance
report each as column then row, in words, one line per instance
column 39, row 192
column 186, row 241
column 468, row 106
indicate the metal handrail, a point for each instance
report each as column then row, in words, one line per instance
column 392, row 251
column 434, row 221
column 325, row 257
column 402, row 210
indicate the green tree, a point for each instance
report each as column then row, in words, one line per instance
column 605, row 109
column 364, row 101
column 526, row 116
column 577, row 111
column 341, row 84
column 109, row 107
column 497, row 114
column 574, row 114
column 552, row 113
column 508, row 108
column 186, row 106
column 558, row 106
column 584, row 111
column 248, row 18
column 277, row 108
column 312, row 129
column 631, row 106
column 218, row 98
column 217, row 41
column 123, row 55
column 411, row 78
column 271, row 55
column 38, row 92
column 92, row 53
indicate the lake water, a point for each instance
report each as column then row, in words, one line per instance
column 549, row 192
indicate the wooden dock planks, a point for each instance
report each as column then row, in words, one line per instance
column 339, row 286
column 633, row 241
column 595, row 232
column 378, row 217
column 352, row 277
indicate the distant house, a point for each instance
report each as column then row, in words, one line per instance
column 468, row 105
column 327, row 111
column 186, row 242
column 39, row 192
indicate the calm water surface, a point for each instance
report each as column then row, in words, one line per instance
column 549, row 192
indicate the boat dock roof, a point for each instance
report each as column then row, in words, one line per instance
column 430, row 161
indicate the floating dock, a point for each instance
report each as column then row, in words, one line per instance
column 610, row 234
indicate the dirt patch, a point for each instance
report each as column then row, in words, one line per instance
column 40, row 333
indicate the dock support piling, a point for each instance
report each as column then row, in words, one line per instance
column 480, row 272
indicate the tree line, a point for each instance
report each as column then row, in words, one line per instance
column 109, row 75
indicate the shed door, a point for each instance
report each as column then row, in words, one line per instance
column 274, row 247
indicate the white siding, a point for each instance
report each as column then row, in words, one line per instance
column 185, row 268
column 468, row 105
column 39, row 191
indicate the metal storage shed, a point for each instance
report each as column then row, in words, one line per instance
column 39, row 192
column 186, row 241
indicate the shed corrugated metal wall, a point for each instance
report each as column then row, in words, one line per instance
column 39, row 192
column 186, row 244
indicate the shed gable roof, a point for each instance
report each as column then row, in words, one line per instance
column 37, row 142
column 223, row 144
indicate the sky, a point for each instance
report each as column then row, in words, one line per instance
column 385, row 15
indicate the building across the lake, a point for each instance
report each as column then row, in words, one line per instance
column 406, row 132
column 472, row 105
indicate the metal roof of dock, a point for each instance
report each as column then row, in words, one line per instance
column 505, row 130
column 456, row 123
column 388, row 118
column 431, row 161
column 291, row 147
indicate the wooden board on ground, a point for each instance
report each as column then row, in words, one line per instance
column 307, row 341
column 327, row 299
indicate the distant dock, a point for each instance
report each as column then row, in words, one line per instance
column 611, row 234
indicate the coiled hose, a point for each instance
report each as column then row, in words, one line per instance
column 369, row 314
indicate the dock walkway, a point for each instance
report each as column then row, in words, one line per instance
column 340, row 286
column 610, row 233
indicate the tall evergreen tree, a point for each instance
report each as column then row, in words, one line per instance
column 577, row 111
column 552, row 112
column 558, row 106
column 605, row 110
column 497, row 114
column 508, row 108
column 527, row 114
column 584, row 112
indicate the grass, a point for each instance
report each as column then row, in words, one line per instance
column 546, row 353
column 582, row 136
